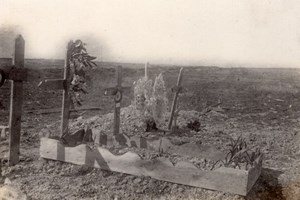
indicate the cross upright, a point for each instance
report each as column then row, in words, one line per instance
column 117, row 92
column 17, row 74
column 177, row 89
column 62, row 84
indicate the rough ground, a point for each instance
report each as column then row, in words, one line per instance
column 260, row 104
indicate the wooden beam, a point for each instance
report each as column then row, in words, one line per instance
column 174, row 104
column 16, row 101
column 223, row 179
column 13, row 73
column 146, row 70
column 114, row 90
column 21, row 74
column 58, row 110
column 66, row 97
column 117, row 109
column 17, row 74
column 53, row 84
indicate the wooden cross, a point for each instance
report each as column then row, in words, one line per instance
column 117, row 92
column 62, row 84
column 177, row 89
column 17, row 74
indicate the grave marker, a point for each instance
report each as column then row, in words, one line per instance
column 17, row 74
column 16, row 101
column 117, row 92
column 62, row 84
column 177, row 89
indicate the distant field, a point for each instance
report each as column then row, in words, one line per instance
column 241, row 90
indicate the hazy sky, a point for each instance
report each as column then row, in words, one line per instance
column 211, row 32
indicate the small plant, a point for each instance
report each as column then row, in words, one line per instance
column 80, row 62
column 239, row 154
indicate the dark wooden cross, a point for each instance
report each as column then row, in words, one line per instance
column 16, row 74
column 177, row 89
column 62, row 84
column 117, row 92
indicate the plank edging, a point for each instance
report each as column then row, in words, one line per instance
column 222, row 179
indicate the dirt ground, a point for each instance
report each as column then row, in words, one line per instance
column 262, row 105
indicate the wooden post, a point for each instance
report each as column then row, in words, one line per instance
column 62, row 84
column 177, row 90
column 146, row 70
column 16, row 100
column 117, row 93
column 118, row 98
column 66, row 97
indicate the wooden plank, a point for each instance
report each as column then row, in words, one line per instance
column 113, row 91
column 23, row 74
column 222, row 179
column 66, row 97
column 146, row 70
column 17, row 74
column 16, row 101
column 254, row 173
column 53, row 84
column 117, row 109
column 58, row 110
column 175, row 99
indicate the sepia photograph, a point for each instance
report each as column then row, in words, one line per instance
column 150, row 100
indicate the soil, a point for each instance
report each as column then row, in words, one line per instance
column 261, row 105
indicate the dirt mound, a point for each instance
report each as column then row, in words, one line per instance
column 133, row 124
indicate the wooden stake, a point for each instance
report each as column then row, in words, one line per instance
column 177, row 90
column 16, row 101
column 146, row 70
column 66, row 97
column 62, row 84
column 117, row 92
column 118, row 98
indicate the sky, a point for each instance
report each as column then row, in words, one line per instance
column 189, row 32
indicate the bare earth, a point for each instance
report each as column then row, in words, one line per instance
column 262, row 105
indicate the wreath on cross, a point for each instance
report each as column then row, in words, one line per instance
column 80, row 62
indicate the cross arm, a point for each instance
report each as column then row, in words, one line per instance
column 113, row 90
column 12, row 73
column 53, row 84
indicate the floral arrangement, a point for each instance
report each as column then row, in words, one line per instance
column 80, row 62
